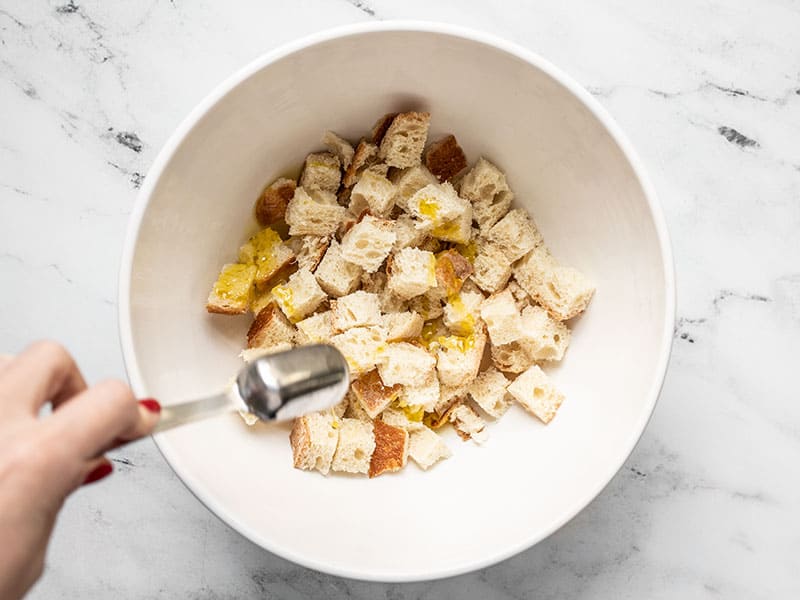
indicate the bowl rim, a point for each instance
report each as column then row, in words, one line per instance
column 209, row 101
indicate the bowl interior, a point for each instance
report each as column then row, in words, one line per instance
column 565, row 168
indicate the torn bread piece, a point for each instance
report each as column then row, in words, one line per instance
column 452, row 269
column 402, row 326
column 429, row 304
column 542, row 336
column 536, row 393
column 405, row 139
column 364, row 348
column 374, row 193
column 270, row 328
column 411, row 272
column 436, row 205
column 565, row 292
column 268, row 252
column 408, row 234
column 489, row 391
column 409, row 181
column 340, row 147
column 461, row 312
column 355, row 447
column 512, row 357
column 321, row 171
column 521, row 297
column 319, row 214
column 406, row 364
column 369, row 242
column 445, row 158
column 314, row 439
column 426, row 448
column 354, row 409
column 492, row 269
column 468, row 424
column 398, row 417
column 502, row 318
column 233, row 290
column 486, row 187
column 309, row 250
column 426, row 395
column 365, row 155
column 373, row 394
column 457, row 231
column 271, row 204
column 458, row 359
column 335, row 275
column 355, row 310
column 316, row 329
column 391, row 449
column 515, row 234
column 300, row 296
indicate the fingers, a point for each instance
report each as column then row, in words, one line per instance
column 96, row 469
column 43, row 372
column 99, row 418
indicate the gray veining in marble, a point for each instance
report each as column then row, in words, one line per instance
column 707, row 506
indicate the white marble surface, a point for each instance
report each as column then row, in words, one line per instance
column 708, row 505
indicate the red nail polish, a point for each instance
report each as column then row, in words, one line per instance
column 102, row 470
column 151, row 404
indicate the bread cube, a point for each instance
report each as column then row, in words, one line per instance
column 536, row 393
column 512, row 357
column 340, row 147
column 502, row 318
column 374, row 193
column 452, row 269
column 369, row 242
column 319, row 214
column 426, row 395
column 321, row 171
column 563, row 291
column 408, row 234
column 436, row 205
column 233, row 290
column 355, row 310
column 316, row 329
column 426, row 448
column 397, row 417
column 486, row 187
column 468, row 424
column 428, row 305
column 406, row 364
column 300, row 296
column 268, row 252
column 488, row 390
column 270, row 328
column 405, row 139
column 521, row 297
column 309, row 250
column 335, row 275
column 458, row 231
column 365, row 154
column 461, row 312
column 391, row 449
column 409, row 181
column 354, row 408
column 271, row 205
column 411, row 272
column 445, row 158
column 543, row 337
column 356, row 445
column 373, row 395
column 492, row 268
column 364, row 348
column 459, row 358
column 314, row 439
column 515, row 235
column 405, row 325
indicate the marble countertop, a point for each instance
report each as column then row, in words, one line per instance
column 708, row 505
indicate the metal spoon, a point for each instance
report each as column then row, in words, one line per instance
column 276, row 387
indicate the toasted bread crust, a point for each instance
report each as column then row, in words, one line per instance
column 391, row 449
column 373, row 395
column 220, row 309
column 445, row 158
column 261, row 324
column 452, row 269
column 381, row 127
column 271, row 205
column 300, row 440
column 365, row 154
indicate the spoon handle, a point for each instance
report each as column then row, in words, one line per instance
column 193, row 410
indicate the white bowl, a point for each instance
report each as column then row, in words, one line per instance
column 569, row 165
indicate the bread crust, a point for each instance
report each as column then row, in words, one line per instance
column 391, row 449
column 445, row 158
column 271, row 205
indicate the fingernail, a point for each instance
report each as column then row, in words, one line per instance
column 151, row 404
column 98, row 473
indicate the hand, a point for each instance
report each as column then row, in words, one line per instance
column 43, row 460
